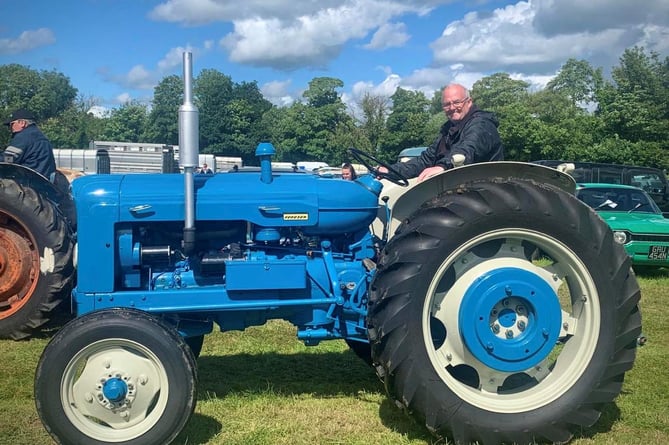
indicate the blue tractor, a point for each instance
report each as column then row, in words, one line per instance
column 493, row 304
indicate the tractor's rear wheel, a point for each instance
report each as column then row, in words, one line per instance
column 483, row 342
column 116, row 376
column 36, row 259
column 361, row 349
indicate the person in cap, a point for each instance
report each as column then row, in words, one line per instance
column 28, row 145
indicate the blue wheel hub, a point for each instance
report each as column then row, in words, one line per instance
column 510, row 319
column 115, row 390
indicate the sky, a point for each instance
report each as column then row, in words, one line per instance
column 114, row 51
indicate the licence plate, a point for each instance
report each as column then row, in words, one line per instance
column 658, row 252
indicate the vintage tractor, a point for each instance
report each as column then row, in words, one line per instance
column 492, row 303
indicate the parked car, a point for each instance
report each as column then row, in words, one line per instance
column 411, row 152
column 652, row 180
column 636, row 220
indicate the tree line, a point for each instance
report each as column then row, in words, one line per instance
column 580, row 115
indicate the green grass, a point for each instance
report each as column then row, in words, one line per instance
column 263, row 387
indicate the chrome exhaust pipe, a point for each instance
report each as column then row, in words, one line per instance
column 188, row 152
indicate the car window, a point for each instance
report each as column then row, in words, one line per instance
column 617, row 200
column 649, row 182
column 610, row 176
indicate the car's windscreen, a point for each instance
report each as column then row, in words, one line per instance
column 617, row 200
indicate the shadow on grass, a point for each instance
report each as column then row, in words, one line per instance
column 322, row 375
column 651, row 272
column 199, row 430
column 610, row 415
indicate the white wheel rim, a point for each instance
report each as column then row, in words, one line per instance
column 83, row 398
column 559, row 370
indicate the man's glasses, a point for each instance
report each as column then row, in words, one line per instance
column 455, row 103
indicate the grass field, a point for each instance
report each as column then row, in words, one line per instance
column 263, row 387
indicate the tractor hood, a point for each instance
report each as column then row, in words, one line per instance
column 316, row 204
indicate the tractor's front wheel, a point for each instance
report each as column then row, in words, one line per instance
column 116, row 376
column 481, row 339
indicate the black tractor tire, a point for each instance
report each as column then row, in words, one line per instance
column 116, row 376
column 362, row 350
column 195, row 344
column 484, row 344
column 36, row 259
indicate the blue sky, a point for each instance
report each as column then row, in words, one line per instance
column 118, row 50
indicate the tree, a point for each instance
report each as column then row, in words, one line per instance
column 230, row 114
column 498, row 91
column 578, row 81
column 246, row 110
column 373, row 122
column 324, row 113
column 75, row 127
column 322, row 91
column 213, row 92
column 406, row 123
column 435, row 103
column 635, row 106
column 126, row 123
column 162, row 124
column 46, row 93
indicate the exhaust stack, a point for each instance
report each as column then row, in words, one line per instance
column 188, row 152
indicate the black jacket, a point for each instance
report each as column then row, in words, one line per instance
column 30, row 148
column 475, row 137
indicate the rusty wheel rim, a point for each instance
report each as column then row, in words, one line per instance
column 19, row 265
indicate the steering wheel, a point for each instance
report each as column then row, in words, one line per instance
column 371, row 162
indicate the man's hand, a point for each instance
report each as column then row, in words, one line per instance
column 430, row 171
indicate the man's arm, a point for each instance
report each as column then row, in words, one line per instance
column 413, row 167
column 478, row 142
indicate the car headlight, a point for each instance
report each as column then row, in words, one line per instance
column 620, row 237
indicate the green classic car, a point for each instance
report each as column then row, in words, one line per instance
column 635, row 219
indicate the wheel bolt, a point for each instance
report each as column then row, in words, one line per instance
column 495, row 328
column 521, row 325
column 509, row 333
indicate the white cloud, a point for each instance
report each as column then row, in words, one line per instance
column 389, row 35
column 174, row 58
column 141, row 78
column 531, row 39
column 555, row 17
column 99, row 111
column 123, row 98
column 278, row 93
column 288, row 35
column 27, row 41
column 536, row 37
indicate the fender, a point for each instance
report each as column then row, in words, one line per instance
column 57, row 192
column 404, row 201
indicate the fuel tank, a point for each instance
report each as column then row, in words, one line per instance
column 318, row 205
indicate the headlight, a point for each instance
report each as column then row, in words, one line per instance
column 620, row 237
